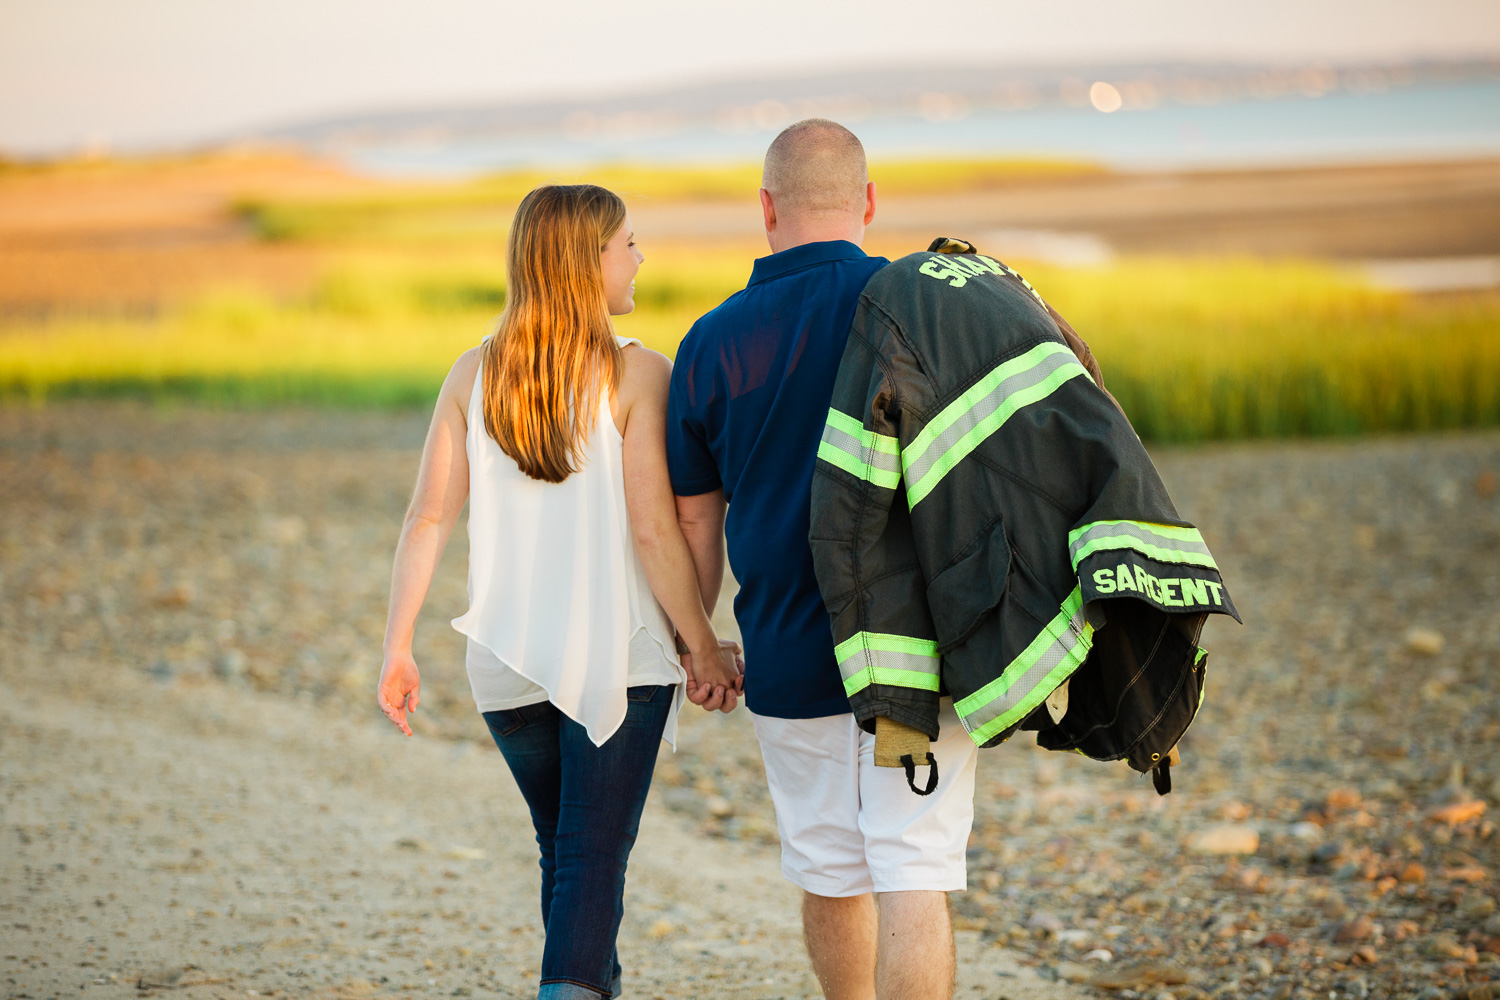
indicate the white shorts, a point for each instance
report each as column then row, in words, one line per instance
column 848, row 827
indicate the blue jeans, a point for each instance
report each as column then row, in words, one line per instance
column 586, row 804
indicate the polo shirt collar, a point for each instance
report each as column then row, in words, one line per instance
column 805, row 255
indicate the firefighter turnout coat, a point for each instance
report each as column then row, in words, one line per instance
column 986, row 524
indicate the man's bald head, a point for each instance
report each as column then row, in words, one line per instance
column 816, row 165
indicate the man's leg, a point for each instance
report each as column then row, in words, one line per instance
column 813, row 772
column 915, row 956
column 916, row 849
column 840, row 937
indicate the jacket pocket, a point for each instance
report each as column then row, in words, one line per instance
column 970, row 588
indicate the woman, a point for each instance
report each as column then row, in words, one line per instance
column 554, row 430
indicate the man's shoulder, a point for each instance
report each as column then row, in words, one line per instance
column 862, row 272
column 710, row 328
column 723, row 315
column 742, row 311
column 726, row 314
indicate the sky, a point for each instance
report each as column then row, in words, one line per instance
column 135, row 74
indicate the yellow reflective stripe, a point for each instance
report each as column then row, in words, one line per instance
column 966, row 422
column 867, row 658
column 864, row 454
column 841, row 459
column 887, row 642
column 895, row 678
column 878, row 442
column 1163, row 542
column 1049, row 659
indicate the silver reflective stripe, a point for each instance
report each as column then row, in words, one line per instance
column 856, row 449
column 1163, row 542
column 926, row 456
column 1059, row 646
column 867, row 658
column 886, row 659
column 862, row 453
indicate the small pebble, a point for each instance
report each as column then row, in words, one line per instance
column 1476, row 905
column 1044, row 921
column 1424, row 641
column 1226, row 839
column 1310, row 833
column 1443, row 946
column 1074, row 972
column 1357, row 929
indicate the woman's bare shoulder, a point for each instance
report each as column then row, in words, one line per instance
column 459, row 385
column 468, row 362
column 644, row 376
column 643, row 365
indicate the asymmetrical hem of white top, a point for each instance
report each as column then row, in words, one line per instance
column 559, row 606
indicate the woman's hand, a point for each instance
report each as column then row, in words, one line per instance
column 400, row 689
column 716, row 678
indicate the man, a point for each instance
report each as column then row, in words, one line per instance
column 749, row 398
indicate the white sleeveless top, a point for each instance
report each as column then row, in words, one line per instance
column 559, row 607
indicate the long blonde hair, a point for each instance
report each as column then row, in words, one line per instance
column 554, row 353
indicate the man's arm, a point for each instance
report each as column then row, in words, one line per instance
column 702, row 520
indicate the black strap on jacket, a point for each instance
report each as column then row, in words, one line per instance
column 1161, row 777
column 911, row 773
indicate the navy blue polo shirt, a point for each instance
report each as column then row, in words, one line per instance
column 750, row 394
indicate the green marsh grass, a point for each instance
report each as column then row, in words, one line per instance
column 1195, row 349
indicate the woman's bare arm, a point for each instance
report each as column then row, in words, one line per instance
column 442, row 488
column 641, row 408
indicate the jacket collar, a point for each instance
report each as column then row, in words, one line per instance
column 806, row 255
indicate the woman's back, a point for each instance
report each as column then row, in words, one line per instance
column 559, row 607
column 577, row 565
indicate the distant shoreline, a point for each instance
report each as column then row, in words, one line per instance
column 1413, row 123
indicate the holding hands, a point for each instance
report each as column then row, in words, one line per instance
column 715, row 680
column 715, row 676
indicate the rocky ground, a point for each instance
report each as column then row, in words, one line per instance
column 190, row 612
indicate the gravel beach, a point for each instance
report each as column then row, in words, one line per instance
column 199, row 797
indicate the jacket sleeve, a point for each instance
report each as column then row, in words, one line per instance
column 861, row 535
column 1082, row 352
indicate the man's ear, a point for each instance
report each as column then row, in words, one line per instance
column 768, row 209
column 869, row 202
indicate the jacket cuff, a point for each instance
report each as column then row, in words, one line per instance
column 923, row 718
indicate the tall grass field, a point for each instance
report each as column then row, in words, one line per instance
column 1193, row 348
